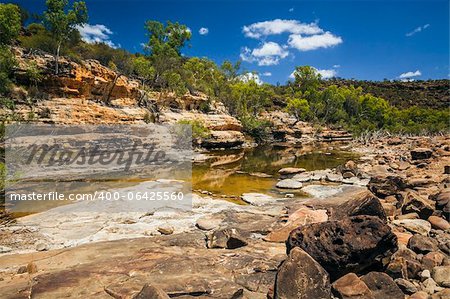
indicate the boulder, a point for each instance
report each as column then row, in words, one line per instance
column 404, row 264
column 421, row 153
column 442, row 200
column 382, row 286
column 209, row 222
column 414, row 203
column 422, row 244
column 358, row 203
column 353, row 244
column 432, row 259
column 419, row 295
column 300, row 276
column 383, row 186
column 444, row 294
column 229, row 238
column 334, row 177
column 151, row 292
column 289, row 184
column 350, row 286
column 303, row 177
column 406, row 286
column 441, row 275
column 246, row 294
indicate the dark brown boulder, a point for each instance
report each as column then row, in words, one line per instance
column 300, row 276
column 151, row 292
column 350, row 245
column 442, row 200
column 421, row 153
column 383, row 186
column 366, row 204
column 422, row 244
column 382, row 286
column 414, row 203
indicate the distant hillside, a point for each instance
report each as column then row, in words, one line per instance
column 430, row 94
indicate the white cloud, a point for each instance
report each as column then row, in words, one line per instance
column 336, row 66
column 327, row 74
column 417, row 30
column 247, row 77
column 203, row 31
column 314, row 42
column 291, row 9
column 278, row 26
column 266, row 74
column 270, row 53
column 410, row 74
column 96, row 34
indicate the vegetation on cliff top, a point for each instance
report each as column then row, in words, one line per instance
column 161, row 67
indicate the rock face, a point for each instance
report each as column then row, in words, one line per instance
column 349, row 245
column 300, row 276
column 151, row 292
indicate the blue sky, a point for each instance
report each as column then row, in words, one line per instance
column 369, row 40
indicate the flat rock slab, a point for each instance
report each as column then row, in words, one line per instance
column 177, row 264
column 289, row 184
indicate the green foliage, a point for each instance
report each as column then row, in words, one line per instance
column 203, row 75
column 34, row 73
column 144, row 69
column 257, row 128
column 61, row 23
column 299, row 108
column 7, row 64
column 306, row 78
column 10, row 23
column 199, row 130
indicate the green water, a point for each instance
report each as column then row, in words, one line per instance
column 238, row 171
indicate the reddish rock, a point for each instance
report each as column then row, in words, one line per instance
column 300, row 276
column 419, row 295
column 383, row 186
column 432, row 259
column 439, row 223
column 350, row 245
column 351, row 287
column 151, row 292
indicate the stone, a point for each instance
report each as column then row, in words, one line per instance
column 291, row 171
column 151, row 292
column 353, row 244
column 257, row 199
column 31, row 268
column 302, row 177
column 209, row 222
column 334, row 177
column 432, row 259
column 442, row 200
column 289, row 184
column 347, row 175
column 382, row 286
column 419, row 295
column 229, row 238
column 223, row 139
column 5, row 249
column 383, row 186
column 355, row 204
column 350, row 286
column 414, row 203
column 425, row 274
column 402, row 237
column 406, row 286
column 444, row 294
column 300, row 276
column 302, row 216
column 418, row 226
column 22, row 270
column 441, row 275
column 165, row 230
column 353, row 181
column 41, row 246
column 350, row 164
column 408, row 216
column 422, row 244
column 403, row 264
column 438, row 223
column 429, row 285
column 421, row 153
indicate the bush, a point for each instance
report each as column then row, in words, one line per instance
column 7, row 64
column 257, row 128
column 199, row 130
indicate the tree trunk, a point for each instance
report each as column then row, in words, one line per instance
column 57, row 58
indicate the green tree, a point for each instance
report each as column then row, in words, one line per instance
column 7, row 64
column 61, row 22
column 299, row 108
column 10, row 23
column 307, row 79
column 164, row 48
column 143, row 69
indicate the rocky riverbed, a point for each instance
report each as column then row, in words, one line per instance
column 373, row 228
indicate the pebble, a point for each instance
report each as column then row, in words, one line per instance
column 165, row 230
column 41, row 246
